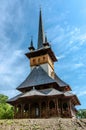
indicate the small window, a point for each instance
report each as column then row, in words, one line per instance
column 43, row 58
column 34, row 60
column 38, row 59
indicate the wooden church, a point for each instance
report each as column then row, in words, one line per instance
column 43, row 93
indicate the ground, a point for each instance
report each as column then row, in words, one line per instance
column 43, row 124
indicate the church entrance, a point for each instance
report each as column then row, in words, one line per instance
column 37, row 110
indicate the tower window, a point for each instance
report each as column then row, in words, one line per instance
column 38, row 59
column 34, row 60
column 43, row 58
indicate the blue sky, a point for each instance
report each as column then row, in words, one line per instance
column 65, row 24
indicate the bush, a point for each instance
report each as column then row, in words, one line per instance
column 6, row 110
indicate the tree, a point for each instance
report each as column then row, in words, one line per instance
column 81, row 113
column 6, row 110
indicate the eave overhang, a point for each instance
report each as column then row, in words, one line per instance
column 42, row 51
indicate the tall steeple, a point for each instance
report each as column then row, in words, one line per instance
column 42, row 56
column 41, row 36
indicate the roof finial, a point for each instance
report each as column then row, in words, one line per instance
column 46, row 44
column 31, row 48
column 31, row 43
column 41, row 37
column 45, row 37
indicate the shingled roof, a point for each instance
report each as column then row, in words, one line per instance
column 68, row 93
column 54, row 92
column 60, row 82
column 39, row 77
column 14, row 98
column 33, row 92
column 51, row 92
column 44, row 92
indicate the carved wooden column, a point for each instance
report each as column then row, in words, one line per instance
column 59, row 107
column 29, row 111
column 22, row 110
column 56, row 103
column 40, row 108
column 70, row 108
column 47, row 111
column 15, row 110
column 55, row 112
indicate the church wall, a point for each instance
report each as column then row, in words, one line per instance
column 47, row 68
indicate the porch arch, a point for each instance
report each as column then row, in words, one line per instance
column 52, row 110
column 18, row 111
column 43, row 105
column 26, row 110
column 51, row 104
column 37, row 110
column 18, row 107
column 43, row 109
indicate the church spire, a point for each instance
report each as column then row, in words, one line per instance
column 41, row 37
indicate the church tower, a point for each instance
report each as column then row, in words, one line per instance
column 43, row 55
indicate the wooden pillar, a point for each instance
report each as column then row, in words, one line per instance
column 15, row 110
column 22, row 110
column 47, row 111
column 55, row 107
column 60, row 107
column 56, row 102
column 70, row 108
column 40, row 108
column 29, row 111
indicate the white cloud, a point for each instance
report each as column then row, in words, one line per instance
column 82, row 93
column 67, row 38
column 10, row 93
column 9, row 60
column 12, row 36
column 79, row 90
column 60, row 57
column 13, row 70
column 78, row 65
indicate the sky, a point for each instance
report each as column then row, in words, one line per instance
column 64, row 23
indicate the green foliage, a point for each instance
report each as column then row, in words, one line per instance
column 6, row 110
column 81, row 113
